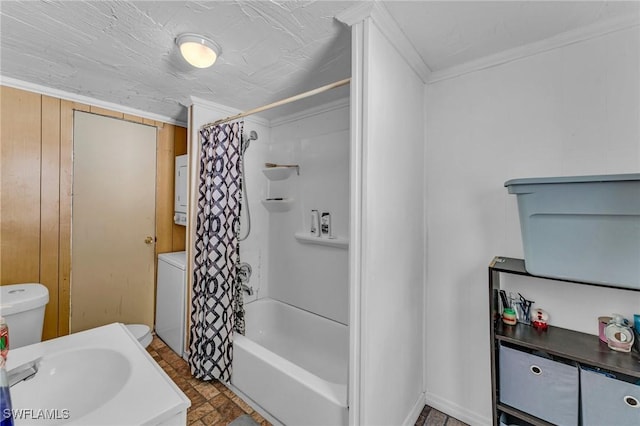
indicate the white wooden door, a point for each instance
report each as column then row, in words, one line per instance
column 113, row 222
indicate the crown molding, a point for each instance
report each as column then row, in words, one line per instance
column 61, row 94
column 356, row 13
column 564, row 39
column 310, row 112
column 226, row 111
column 378, row 13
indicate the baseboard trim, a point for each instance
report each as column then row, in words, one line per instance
column 413, row 415
column 454, row 410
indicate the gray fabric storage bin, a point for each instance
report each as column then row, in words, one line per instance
column 539, row 386
column 507, row 420
column 608, row 401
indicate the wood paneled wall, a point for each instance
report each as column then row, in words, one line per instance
column 36, row 151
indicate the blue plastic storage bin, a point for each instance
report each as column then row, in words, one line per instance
column 582, row 228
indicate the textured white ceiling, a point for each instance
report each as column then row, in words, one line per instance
column 123, row 52
column 450, row 33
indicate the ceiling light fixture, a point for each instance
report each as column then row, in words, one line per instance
column 198, row 50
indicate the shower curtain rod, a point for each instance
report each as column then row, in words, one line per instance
column 281, row 102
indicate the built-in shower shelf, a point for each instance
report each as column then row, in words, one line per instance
column 279, row 172
column 306, row 238
column 278, row 206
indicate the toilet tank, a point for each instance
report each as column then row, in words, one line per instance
column 22, row 307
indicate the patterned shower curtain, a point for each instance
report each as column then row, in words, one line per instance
column 216, row 305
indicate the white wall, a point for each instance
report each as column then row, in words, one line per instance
column 392, row 239
column 312, row 277
column 570, row 111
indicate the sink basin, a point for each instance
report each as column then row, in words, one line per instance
column 99, row 373
column 98, row 377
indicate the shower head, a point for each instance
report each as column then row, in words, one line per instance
column 253, row 135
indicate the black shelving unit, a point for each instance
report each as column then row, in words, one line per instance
column 583, row 348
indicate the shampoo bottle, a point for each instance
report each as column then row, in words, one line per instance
column 315, row 223
column 325, row 226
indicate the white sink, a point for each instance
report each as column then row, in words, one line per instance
column 100, row 373
column 100, row 376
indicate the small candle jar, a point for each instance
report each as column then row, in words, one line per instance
column 509, row 316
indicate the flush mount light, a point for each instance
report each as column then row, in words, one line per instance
column 198, row 50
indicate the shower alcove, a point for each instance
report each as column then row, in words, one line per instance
column 361, row 159
column 297, row 328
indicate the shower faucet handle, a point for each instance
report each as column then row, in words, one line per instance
column 244, row 272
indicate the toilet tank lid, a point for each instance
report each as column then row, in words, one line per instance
column 22, row 297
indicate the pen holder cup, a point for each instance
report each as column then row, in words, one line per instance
column 523, row 314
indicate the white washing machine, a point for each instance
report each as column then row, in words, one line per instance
column 171, row 300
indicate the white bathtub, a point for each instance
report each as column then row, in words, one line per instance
column 293, row 364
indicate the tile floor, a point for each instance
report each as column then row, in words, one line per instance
column 213, row 404
column 432, row 417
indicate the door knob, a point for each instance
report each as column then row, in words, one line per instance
column 148, row 240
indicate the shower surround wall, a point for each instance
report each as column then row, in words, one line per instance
column 308, row 276
column 311, row 276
